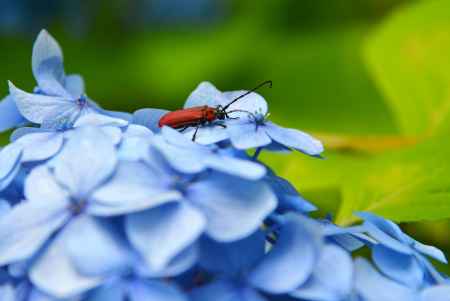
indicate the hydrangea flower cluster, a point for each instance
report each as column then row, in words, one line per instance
column 98, row 205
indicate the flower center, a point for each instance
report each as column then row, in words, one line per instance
column 81, row 102
column 77, row 207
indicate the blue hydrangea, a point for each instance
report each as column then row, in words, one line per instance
column 96, row 205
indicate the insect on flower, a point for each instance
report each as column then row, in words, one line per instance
column 202, row 115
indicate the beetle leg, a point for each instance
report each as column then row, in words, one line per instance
column 183, row 129
column 195, row 133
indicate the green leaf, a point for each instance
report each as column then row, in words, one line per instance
column 408, row 185
column 409, row 58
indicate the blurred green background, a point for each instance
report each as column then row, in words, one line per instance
column 370, row 78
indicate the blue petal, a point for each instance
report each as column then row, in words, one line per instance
column 134, row 187
column 207, row 134
column 139, row 131
column 86, row 161
column 5, row 207
column 9, row 114
column 232, row 259
column 294, row 139
column 247, row 202
column 205, row 94
column 385, row 232
column 292, row 259
column 44, row 49
column 10, row 157
column 288, row 197
column 159, row 234
column 47, row 65
column 96, row 248
column 253, row 103
column 41, row 187
column 7, row 292
column 350, row 238
column 372, row 286
column 55, row 274
column 398, row 266
column 149, row 118
column 40, row 146
column 384, row 225
column 27, row 226
column 20, row 132
column 114, row 133
column 133, row 149
column 112, row 291
column 74, row 84
column 334, row 271
column 431, row 251
column 117, row 114
column 188, row 157
column 436, row 293
column 154, row 291
column 96, row 119
column 247, row 135
column 225, row 291
column 40, row 108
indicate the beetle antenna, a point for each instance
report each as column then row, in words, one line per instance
column 268, row 82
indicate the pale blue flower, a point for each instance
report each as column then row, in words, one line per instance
column 398, row 255
column 191, row 203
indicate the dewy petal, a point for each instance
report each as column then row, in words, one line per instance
column 295, row 139
column 86, row 161
column 154, row 291
column 55, row 274
column 247, row 135
column 149, row 118
column 134, row 187
column 74, row 84
column 39, row 108
column 436, row 293
column 292, row 259
column 27, row 226
column 235, row 213
column 96, row 248
column 47, row 58
column 253, row 103
column 159, row 234
column 9, row 114
column 205, row 94
column 232, row 259
column 40, row 146
column 372, row 286
column 225, row 291
column 398, row 266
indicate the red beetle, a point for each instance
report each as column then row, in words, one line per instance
column 199, row 116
